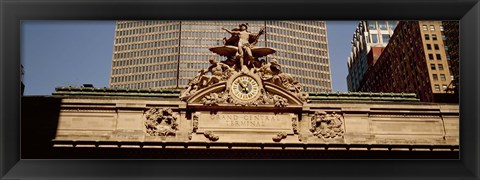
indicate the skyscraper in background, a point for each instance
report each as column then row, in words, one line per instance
column 414, row 61
column 166, row 54
column 450, row 36
column 369, row 40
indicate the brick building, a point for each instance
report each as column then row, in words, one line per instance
column 367, row 36
column 451, row 40
column 414, row 61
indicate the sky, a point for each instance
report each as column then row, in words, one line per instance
column 73, row 53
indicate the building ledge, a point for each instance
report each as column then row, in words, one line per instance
column 362, row 96
column 175, row 93
column 254, row 145
column 125, row 92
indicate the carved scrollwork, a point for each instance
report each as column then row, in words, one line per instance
column 279, row 136
column 195, row 123
column 294, row 124
column 190, row 135
column 242, row 103
column 213, row 99
column 209, row 135
column 160, row 122
column 267, row 98
column 279, row 101
column 327, row 125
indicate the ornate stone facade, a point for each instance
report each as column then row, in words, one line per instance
column 335, row 121
column 244, row 102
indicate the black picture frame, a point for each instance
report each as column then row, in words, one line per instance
column 13, row 12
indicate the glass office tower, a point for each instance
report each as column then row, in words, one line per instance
column 166, row 54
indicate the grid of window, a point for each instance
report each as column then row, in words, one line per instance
column 368, row 34
column 302, row 51
column 432, row 30
column 145, row 54
column 407, row 63
column 398, row 69
column 450, row 38
column 155, row 54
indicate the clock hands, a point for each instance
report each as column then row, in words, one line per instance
column 244, row 86
column 245, row 89
column 241, row 84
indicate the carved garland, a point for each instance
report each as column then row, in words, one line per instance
column 327, row 125
column 214, row 99
column 160, row 122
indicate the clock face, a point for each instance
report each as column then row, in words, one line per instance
column 245, row 88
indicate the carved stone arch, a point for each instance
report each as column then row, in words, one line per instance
column 270, row 90
column 215, row 88
column 291, row 97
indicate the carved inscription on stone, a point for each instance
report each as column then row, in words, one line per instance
column 238, row 121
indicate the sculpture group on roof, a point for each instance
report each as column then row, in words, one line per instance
column 243, row 56
column 240, row 48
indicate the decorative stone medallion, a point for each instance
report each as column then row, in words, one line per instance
column 160, row 122
column 327, row 126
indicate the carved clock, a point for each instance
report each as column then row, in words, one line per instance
column 245, row 88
